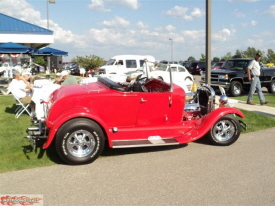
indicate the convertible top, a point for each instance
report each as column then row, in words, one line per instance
column 111, row 84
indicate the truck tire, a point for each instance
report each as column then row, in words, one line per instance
column 271, row 88
column 79, row 141
column 225, row 131
column 235, row 88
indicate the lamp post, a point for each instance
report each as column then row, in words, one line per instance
column 171, row 48
column 51, row 2
column 48, row 26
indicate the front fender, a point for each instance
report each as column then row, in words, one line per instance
column 207, row 121
column 71, row 113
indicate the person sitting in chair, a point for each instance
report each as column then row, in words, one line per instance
column 67, row 79
column 20, row 88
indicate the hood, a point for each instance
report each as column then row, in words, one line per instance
column 224, row 71
column 76, row 90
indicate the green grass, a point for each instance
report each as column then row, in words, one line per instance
column 268, row 97
column 16, row 152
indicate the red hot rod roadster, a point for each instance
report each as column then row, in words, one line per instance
column 82, row 119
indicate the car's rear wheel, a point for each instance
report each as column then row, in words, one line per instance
column 225, row 131
column 79, row 141
column 271, row 88
column 235, row 88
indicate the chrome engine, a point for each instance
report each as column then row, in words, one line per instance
column 202, row 103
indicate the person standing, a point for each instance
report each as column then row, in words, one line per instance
column 254, row 72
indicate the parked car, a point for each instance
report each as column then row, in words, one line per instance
column 197, row 67
column 73, row 68
column 178, row 71
column 180, row 74
column 233, row 77
column 218, row 65
column 83, row 119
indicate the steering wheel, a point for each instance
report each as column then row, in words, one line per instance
column 138, row 84
column 141, row 81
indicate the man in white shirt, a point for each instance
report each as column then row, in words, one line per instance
column 19, row 87
column 254, row 72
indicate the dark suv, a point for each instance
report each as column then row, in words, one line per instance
column 197, row 67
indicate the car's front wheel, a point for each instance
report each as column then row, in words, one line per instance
column 236, row 88
column 271, row 88
column 225, row 131
column 79, row 141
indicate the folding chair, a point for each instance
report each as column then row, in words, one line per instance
column 21, row 107
column 5, row 92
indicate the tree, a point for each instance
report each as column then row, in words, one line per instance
column 89, row 62
column 226, row 57
column 191, row 59
column 238, row 54
column 216, row 59
column 203, row 58
column 250, row 52
column 270, row 56
column 40, row 60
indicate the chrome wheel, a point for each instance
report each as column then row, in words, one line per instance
column 236, row 88
column 223, row 130
column 81, row 143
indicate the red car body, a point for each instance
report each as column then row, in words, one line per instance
column 154, row 117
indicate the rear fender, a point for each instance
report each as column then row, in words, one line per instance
column 53, row 126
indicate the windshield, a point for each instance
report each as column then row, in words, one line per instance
column 110, row 62
column 162, row 67
column 236, row 65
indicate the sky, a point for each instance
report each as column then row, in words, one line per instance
column 165, row 29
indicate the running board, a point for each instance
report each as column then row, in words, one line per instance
column 143, row 143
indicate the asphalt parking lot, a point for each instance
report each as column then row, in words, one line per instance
column 192, row 174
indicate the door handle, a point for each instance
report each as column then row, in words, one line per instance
column 143, row 100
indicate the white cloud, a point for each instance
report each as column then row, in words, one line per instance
column 98, row 5
column 271, row 11
column 131, row 4
column 20, row 9
column 252, row 23
column 117, row 22
column 197, row 13
column 170, row 28
column 237, row 13
column 258, row 42
column 181, row 13
column 141, row 25
column 263, row 34
column 222, row 35
column 24, row 11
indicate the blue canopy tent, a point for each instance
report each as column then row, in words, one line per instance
column 14, row 48
column 50, row 51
